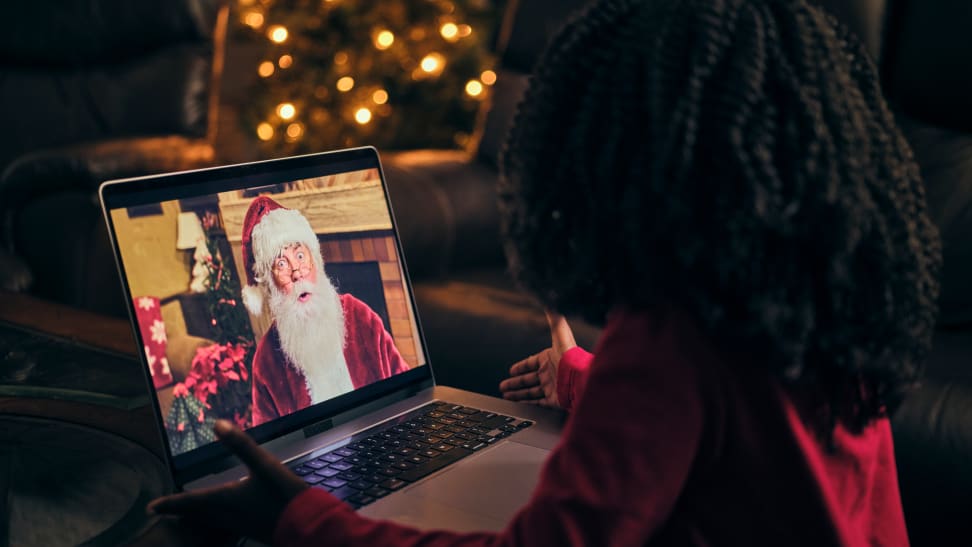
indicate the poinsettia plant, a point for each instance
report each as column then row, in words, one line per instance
column 217, row 386
column 220, row 380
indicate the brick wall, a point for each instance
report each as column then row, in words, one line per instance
column 381, row 249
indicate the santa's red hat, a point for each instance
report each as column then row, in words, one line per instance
column 268, row 227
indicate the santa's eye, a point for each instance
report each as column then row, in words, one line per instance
column 300, row 256
column 281, row 264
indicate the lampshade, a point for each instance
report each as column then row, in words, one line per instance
column 190, row 231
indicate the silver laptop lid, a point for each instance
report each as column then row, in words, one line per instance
column 273, row 294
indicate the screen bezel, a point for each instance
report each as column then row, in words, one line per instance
column 152, row 189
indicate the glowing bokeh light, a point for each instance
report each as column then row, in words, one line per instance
column 278, row 34
column 449, row 31
column 265, row 131
column 286, row 110
column 345, row 83
column 362, row 116
column 384, row 39
column 474, row 88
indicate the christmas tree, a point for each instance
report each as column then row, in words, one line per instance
column 404, row 74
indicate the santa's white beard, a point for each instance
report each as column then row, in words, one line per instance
column 312, row 335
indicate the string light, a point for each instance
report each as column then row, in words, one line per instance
column 432, row 63
column 384, row 39
column 294, row 131
column 340, row 58
column 265, row 69
column 265, row 131
column 450, row 32
column 253, row 19
column 474, row 88
column 380, row 96
column 277, row 33
column 345, row 83
column 286, row 110
column 488, row 77
column 285, row 61
column 464, row 30
column 362, row 116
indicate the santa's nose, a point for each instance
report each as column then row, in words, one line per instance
column 297, row 274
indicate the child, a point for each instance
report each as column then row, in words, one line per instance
column 719, row 183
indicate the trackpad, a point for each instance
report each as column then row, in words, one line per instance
column 495, row 483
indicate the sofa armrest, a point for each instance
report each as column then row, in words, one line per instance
column 85, row 166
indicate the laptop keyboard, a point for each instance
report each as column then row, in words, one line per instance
column 377, row 462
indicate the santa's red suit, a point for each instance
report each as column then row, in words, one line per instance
column 279, row 388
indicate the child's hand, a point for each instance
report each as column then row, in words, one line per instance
column 534, row 379
column 249, row 507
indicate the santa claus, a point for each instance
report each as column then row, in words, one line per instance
column 321, row 344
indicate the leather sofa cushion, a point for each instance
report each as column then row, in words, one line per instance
column 945, row 157
column 165, row 93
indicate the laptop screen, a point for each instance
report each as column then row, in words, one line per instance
column 271, row 294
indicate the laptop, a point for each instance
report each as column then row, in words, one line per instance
column 365, row 421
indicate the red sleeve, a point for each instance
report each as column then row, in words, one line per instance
column 613, row 480
column 572, row 375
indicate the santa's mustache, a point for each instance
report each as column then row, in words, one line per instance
column 299, row 289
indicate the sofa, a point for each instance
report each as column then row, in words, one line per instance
column 125, row 89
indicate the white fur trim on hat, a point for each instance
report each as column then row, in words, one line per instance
column 278, row 228
column 253, row 299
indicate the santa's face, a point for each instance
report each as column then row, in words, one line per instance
column 295, row 264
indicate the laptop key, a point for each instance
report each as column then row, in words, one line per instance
column 327, row 472
column 302, row 470
column 344, row 492
column 331, row 457
column 361, row 499
column 363, row 484
column 348, row 476
column 434, row 464
column 392, row 484
column 345, row 452
column 314, row 464
column 334, row 482
column 376, row 492
column 312, row 479
column 342, row 466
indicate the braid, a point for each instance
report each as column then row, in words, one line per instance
column 734, row 158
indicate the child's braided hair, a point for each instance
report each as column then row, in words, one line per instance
column 734, row 158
